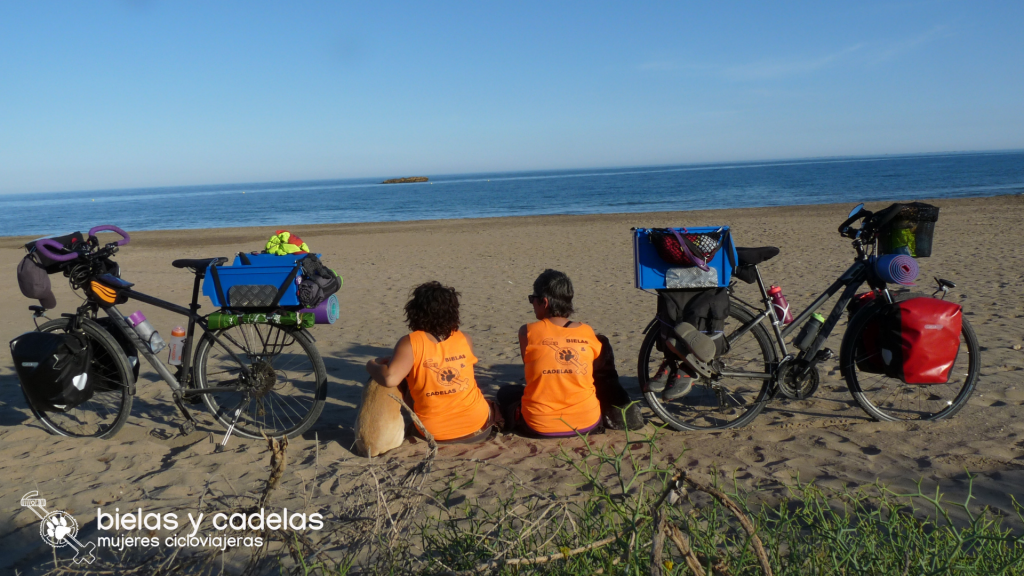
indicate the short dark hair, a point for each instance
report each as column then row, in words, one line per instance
column 433, row 308
column 557, row 288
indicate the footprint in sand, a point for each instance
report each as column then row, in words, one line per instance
column 871, row 450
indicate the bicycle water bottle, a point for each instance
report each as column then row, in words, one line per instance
column 177, row 346
column 810, row 330
column 146, row 332
column 781, row 305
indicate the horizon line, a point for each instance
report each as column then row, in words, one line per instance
column 751, row 163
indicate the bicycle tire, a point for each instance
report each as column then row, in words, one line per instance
column 889, row 399
column 103, row 415
column 702, row 408
column 292, row 399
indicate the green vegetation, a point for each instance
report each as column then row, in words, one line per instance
column 627, row 515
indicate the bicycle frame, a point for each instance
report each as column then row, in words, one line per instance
column 854, row 277
column 175, row 382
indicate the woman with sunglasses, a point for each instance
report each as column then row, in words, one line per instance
column 571, row 382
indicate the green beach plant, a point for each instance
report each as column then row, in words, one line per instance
column 632, row 511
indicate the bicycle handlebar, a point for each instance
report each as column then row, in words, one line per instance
column 844, row 228
column 42, row 245
column 52, row 249
column 111, row 228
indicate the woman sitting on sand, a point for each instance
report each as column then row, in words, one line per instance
column 434, row 366
column 571, row 381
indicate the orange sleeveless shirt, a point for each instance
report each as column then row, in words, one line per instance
column 560, row 394
column 443, row 389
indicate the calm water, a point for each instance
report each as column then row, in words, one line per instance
column 650, row 189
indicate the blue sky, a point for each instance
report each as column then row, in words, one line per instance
column 97, row 95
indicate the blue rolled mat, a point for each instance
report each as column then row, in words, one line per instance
column 897, row 269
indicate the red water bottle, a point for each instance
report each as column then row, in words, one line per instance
column 781, row 306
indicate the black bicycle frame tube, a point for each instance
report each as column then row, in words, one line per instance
column 143, row 349
column 852, row 279
column 194, row 318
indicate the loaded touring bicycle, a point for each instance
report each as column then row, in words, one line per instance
column 254, row 367
column 903, row 357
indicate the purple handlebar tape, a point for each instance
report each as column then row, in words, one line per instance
column 111, row 228
column 42, row 245
column 327, row 312
column 897, row 268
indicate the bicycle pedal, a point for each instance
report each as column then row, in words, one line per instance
column 824, row 355
column 701, row 368
column 187, row 428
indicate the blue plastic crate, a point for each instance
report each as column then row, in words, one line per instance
column 265, row 274
column 653, row 273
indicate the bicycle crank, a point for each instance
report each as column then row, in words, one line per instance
column 797, row 382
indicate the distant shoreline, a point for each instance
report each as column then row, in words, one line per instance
column 406, row 180
column 226, row 234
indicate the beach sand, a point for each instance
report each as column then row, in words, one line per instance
column 493, row 262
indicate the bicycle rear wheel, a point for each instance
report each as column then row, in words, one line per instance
column 889, row 399
column 719, row 402
column 105, row 413
column 287, row 386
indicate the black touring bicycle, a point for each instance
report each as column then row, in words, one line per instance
column 757, row 365
column 260, row 377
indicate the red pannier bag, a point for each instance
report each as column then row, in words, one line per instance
column 919, row 339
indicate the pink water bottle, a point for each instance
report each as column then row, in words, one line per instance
column 781, row 306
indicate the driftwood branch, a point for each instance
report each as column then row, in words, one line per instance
column 762, row 556
column 682, row 543
column 278, row 462
column 492, row 564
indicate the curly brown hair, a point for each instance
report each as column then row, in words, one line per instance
column 434, row 309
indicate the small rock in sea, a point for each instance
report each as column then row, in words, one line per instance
column 406, row 180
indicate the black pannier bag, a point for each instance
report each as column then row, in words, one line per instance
column 318, row 282
column 53, row 368
column 706, row 309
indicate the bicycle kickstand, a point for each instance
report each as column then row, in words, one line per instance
column 234, row 420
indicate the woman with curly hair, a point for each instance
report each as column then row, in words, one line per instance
column 435, row 363
column 571, row 382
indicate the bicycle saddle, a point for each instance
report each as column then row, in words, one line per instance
column 198, row 264
column 754, row 256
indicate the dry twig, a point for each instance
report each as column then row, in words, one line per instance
column 762, row 556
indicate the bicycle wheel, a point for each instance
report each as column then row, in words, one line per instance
column 889, row 399
column 287, row 386
column 105, row 413
column 719, row 402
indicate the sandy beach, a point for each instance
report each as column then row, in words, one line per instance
column 493, row 262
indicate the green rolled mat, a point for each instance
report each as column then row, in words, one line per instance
column 220, row 320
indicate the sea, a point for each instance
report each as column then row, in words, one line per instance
column 485, row 195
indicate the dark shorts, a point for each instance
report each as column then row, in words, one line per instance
column 510, row 400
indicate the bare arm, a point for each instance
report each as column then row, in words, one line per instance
column 522, row 342
column 390, row 372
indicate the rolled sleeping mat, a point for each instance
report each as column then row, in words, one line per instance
column 897, row 269
column 327, row 312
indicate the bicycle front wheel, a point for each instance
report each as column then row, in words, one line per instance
column 105, row 413
column 889, row 399
column 721, row 401
column 285, row 392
